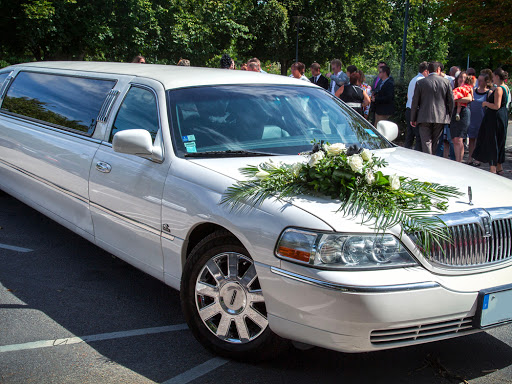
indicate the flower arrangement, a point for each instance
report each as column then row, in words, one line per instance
column 351, row 176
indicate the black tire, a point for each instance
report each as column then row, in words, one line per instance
column 259, row 343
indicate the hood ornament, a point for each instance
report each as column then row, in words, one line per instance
column 470, row 195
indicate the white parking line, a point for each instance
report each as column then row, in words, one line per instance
column 87, row 339
column 200, row 370
column 13, row 248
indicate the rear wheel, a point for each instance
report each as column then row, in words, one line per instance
column 223, row 302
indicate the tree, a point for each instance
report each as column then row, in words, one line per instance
column 337, row 29
column 201, row 32
column 75, row 29
column 480, row 28
column 484, row 21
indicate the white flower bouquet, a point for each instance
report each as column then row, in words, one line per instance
column 351, row 176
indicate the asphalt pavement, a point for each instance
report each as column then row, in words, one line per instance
column 72, row 313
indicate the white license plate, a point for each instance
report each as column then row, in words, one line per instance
column 495, row 306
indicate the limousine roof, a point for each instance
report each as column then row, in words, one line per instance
column 170, row 76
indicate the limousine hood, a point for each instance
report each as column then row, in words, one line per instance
column 488, row 190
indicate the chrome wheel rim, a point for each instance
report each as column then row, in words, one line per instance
column 229, row 298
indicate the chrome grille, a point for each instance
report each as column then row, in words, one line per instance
column 482, row 240
column 422, row 332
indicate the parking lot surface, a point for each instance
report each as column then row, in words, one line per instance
column 72, row 313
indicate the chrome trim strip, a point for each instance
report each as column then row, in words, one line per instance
column 45, row 181
column 350, row 288
column 127, row 219
column 473, row 215
column 5, row 84
column 108, row 103
column 167, row 236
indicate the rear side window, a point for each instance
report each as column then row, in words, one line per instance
column 65, row 101
column 138, row 111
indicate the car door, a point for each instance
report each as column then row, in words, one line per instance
column 126, row 190
column 48, row 123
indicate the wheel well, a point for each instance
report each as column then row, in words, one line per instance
column 199, row 233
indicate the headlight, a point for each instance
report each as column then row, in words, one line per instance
column 343, row 251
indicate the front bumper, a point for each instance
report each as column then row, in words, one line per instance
column 320, row 308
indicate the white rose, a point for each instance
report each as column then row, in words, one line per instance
column 315, row 158
column 296, row 169
column 335, row 149
column 262, row 174
column 356, row 163
column 366, row 154
column 369, row 177
column 394, row 180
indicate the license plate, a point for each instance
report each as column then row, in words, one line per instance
column 494, row 307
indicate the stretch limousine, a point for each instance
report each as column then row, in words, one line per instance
column 138, row 158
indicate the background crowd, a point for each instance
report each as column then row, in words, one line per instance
column 446, row 114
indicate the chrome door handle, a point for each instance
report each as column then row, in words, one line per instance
column 103, row 167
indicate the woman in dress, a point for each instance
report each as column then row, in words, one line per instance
column 477, row 113
column 354, row 96
column 490, row 144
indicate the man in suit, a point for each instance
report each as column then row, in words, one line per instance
column 377, row 78
column 431, row 107
column 383, row 97
column 317, row 77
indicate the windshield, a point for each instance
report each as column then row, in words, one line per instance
column 269, row 119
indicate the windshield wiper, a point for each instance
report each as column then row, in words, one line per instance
column 229, row 153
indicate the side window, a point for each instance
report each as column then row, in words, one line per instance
column 70, row 102
column 138, row 111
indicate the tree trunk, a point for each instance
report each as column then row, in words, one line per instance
column 285, row 64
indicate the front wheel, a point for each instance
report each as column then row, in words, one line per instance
column 223, row 302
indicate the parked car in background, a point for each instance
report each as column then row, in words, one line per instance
column 136, row 159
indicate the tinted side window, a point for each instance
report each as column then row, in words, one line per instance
column 138, row 111
column 70, row 102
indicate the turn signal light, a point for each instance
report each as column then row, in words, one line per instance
column 294, row 254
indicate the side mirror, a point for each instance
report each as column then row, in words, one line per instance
column 388, row 129
column 133, row 142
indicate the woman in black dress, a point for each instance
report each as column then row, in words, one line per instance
column 354, row 96
column 490, row 144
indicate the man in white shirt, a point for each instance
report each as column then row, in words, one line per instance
column 338, row 77
column 413, row 132
column 454, row 72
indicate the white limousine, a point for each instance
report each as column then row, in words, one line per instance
column 137, row 159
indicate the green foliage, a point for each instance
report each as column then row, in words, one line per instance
column 480, row 29
column 359, row 32
column 400, row 101
column 352, row 178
